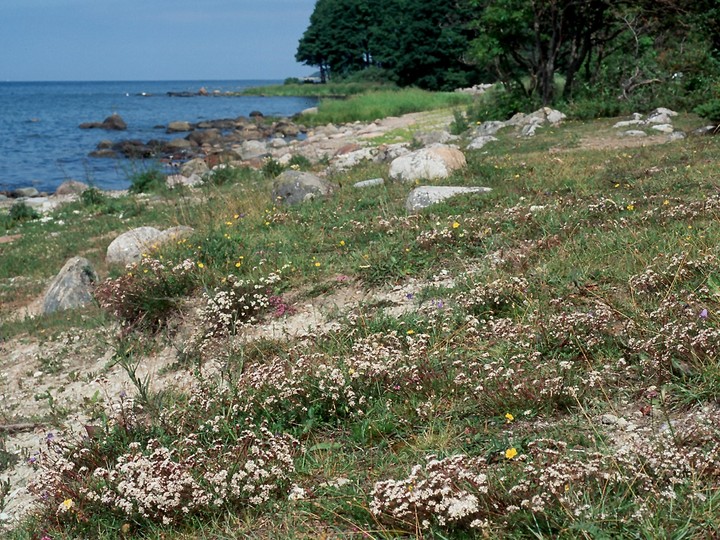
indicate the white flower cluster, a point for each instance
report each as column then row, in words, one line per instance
column 445, row 491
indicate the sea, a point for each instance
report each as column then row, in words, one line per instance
column 41, row 144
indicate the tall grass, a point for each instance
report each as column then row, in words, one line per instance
column 317, row 90
column 374, row 105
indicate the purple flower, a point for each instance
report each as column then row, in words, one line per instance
column 50, row 436
column 409, row 296
column 439, row 304
column 703, row 314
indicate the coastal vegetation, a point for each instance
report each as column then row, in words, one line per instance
column 537, row 361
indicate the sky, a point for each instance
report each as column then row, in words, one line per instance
column 100, row 40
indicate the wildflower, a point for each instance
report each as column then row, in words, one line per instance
column 66, row 505
column 509, row 417
column 238, row 264
column 666, row 202
column 510, row 453
column 236, row 216
column 455, row 225
column 200, row 265
column 410, row 332
column 703, row 314
column 342, row 242
column 317, row 264
column 630, row 207
column 228, row 223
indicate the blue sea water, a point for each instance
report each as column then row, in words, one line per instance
column 41, row 144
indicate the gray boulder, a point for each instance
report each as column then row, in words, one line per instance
column 25, row 192
column 491, row 127
column 426, row 138
column 129, row 246
column 111, row 123
column 663, row 128
column 178, row 126
column 72, row 287
column 478, row 142
column 178, row 144
column 253, row 150
column 295, row 187
column 437, row 161
column 424, row 196
column 194, row 166
column 71, row 187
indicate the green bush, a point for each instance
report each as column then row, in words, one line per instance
column 709, row 110
column 499, row 103
column 152, row 180
column 20, row 212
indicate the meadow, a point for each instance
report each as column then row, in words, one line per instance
column 551, row 370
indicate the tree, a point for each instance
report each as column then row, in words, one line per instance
column 418, row 42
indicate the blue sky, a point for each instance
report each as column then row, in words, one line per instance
column 55, row 40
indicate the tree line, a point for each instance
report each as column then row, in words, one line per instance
column 623, row 48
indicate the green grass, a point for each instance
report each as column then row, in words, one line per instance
column 371, row 106
column 587, row 283
column 339, row 89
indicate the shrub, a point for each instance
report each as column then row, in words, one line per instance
column 152, row 180
column 709, row 110
column 150, row 292
column 20, row 212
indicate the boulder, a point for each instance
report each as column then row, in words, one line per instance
column 177, row 144
column 195, row 166
column 113, row 122
column 663, row 128
column 424, row 196
column 71, row 187
column 426, row 138
column 295, row 187
column 541, row 116
column 677, row 136
column 478, row 142
column 173, row 234
column 253, row 150
column 25, row 192
column 129, row 246
column 344, row 162
column 179, row 126
column 491, row 127
column 72, row 287
column 310, row 110
column 436, row 161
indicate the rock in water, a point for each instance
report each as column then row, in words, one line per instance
column 71, row 187
column 72, row 287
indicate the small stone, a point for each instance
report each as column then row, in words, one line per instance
column 609, row 419
column 633, row 133
column 369, row 183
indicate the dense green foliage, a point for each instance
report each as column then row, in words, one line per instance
column 415, row 42
column 630, row 54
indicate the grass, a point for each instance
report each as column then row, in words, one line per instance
column 338, row 89
column 371, row 106
column 552, row 344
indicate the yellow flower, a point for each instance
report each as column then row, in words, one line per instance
column 509, row 417
column 238, row 264
column 236, row 216
column 200, row 265
column 351, row 371
column 510, row 453
column 455, row 225
column 666, row 202
column 410, row 332
column 67, row 504
column 342, row 242
column 228, row 223
column 630, row 207
column 317, row 264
